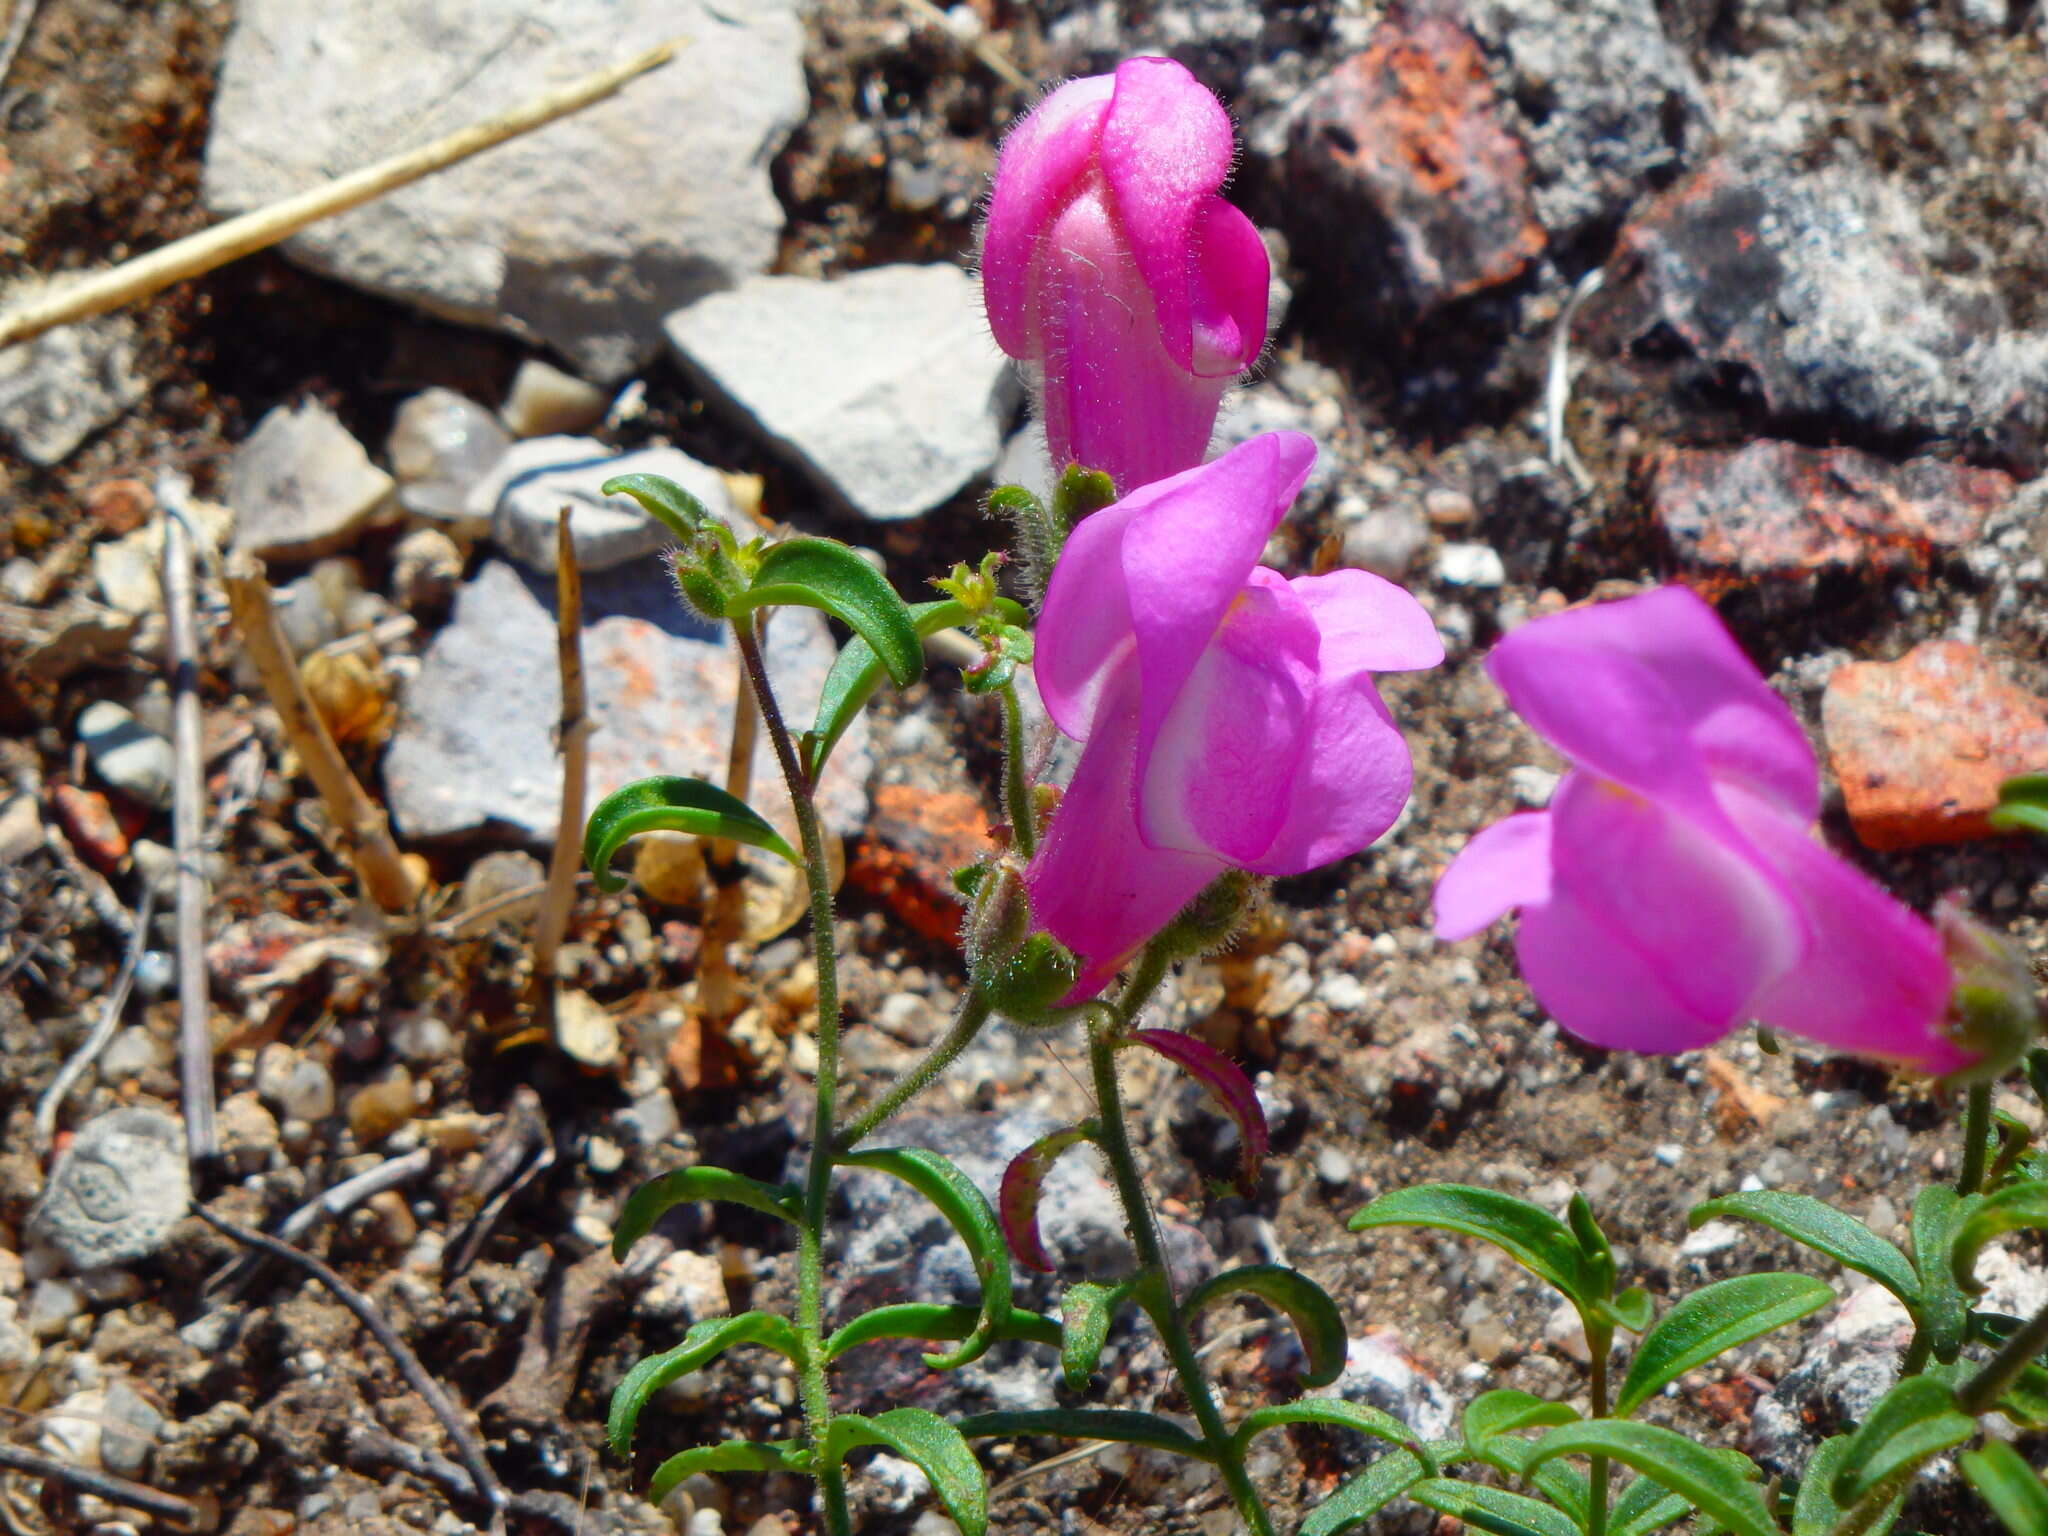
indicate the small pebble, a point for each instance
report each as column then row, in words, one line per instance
column 134, row 760
column 376, row 1111
column 297, row 1087
column 1669, row 1153
column 1334, row 1168
column 1470, row 565
column 604, row 1155
column 544, row 400
column 131, row 1053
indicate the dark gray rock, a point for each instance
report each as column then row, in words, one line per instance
column 475, row 749
column 581, row 235
column 117, row 1192
column 885, row 384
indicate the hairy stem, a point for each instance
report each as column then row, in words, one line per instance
column 1153, row 1274
column 1017, row 803
column 810, row 1262
column 1981, row 1391
column 1864, row 1514
column 1976, row 1131
column 1918, row 1353
column 967, row 1023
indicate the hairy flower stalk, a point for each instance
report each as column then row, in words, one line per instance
column 1112, row 267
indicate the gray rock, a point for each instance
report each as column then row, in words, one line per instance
column 117, row 1191
column 1600, row 97
column 1384, row 539
column 59, row 389
column 301, row 486
column 524, row 494
column 127, row 754
column 886, row 385
column 130, row 1430
column 441, row 444
column 661, row 684
column 1026, row 462
column 1381, row 1372
column 546, row 402
column 581, row 235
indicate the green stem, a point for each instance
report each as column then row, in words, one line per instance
column 967, row 1023
column 816, row 1390
column 1976, row 1131
column 1153, row 1273
column 1981, row 1391
column 1600, row 1346
column 1860, row 1517
column 1017, row 801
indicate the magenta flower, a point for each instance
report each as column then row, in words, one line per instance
column 1229, row 715
column 1111, row 264
column 1674, row 890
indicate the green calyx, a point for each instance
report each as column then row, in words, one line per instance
column 1994, row 1010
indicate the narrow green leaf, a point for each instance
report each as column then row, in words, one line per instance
column 1814, row 1510
column 1494, row 1510
column 1127, row 1426
column 732, row 1456
column 1704, row 1478
column 669, row 804
column 2026, row 1400
column 2013, row 1207
column 1564, row 1485
column 1817, row 1225
column 1632, row 1309
column 1505, row 1410
column 665, row 501
column 1365, row 1495
column 1645, row 1505
column 2013, row 1489
column 1307, row 1305
column 1528, row 1234
column 929, row 1320
column 934, row 1446
column 857, row 672
column 1711, row 1321
column 1086, row 1311
column 1338, row 1414
column 1593, row 1244
column 823, row 573
column 970, row 1214
column 705, row 1342
column 1938, row 1214
column 679, row 1186
column 2022, row 804
column 1913, row 1423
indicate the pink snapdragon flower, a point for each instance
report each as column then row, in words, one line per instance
column 1674, row 890
column 1110, row 263
column 1229, row 715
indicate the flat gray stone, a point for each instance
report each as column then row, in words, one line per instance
column 302, row 486
column 885, row 385
column 117, row 1191
column 583, row 234
column 129, row 756
column 59, row 389
column 522, row 497
column 474, row 749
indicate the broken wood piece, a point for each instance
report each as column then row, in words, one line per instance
column 566, row 861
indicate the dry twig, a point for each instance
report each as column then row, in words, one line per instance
column 215, row 247
column 991, row 56
column 18, row 20
column 110, row 1016
column 467, row 1446
column 104, row 1485
column 181, row 659
column 552, row 921
column 336, row 1200
column 365, row 831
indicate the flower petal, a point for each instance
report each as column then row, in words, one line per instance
column 1112, row 397
column 1166, row 147
column 1643, row 689
column 1874, row 980
column 1219, row 775
column 1506, row 865
column 1602, row 989
column 1188, row 554
column 1041, row 160
column 1232, row 282
column 1094, row 884
column 1690, row 901
column 1369, row 624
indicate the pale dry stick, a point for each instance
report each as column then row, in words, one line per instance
column 1557, row 388
column 110, row 1016
column 365, row 831
column 336, row 1200
column 467, row 1446
column 19, row 19
column 981, row 48
column 552, row 921
column 188, row 817
column 210, row 248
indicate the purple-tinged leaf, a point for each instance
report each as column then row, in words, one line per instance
column 1226, row 1080
column 1017, row 1200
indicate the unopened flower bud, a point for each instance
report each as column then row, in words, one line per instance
column 1995, row 1010
column 1028, row 987
column 1212, row 919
